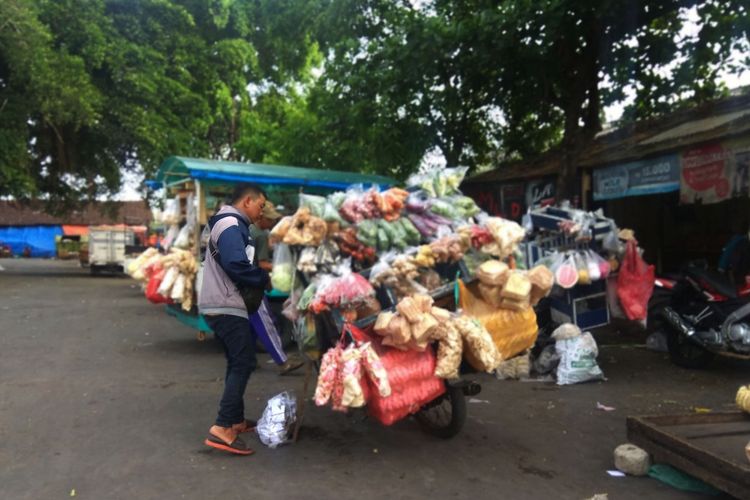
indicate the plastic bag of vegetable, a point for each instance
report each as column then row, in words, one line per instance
column 444, row 208
column 367, row 232
column 283, row 269
column 316, row 204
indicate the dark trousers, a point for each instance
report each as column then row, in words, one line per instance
column 234, row 335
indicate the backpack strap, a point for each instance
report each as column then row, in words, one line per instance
column 211, row 247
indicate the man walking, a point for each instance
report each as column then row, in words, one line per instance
column 231, row 291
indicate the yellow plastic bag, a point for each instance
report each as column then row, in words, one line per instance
column 513, row 332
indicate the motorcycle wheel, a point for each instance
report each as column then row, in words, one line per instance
column 687, row 354
column 444, row 417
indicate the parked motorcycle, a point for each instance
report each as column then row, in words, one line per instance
column 703, row 315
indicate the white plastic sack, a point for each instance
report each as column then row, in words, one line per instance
column 171, row 213
column 178, row 289
column 165, row 288
column 577, row 360
column 277, row 419
column 183, row 237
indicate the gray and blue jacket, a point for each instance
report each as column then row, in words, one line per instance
column 221, row 279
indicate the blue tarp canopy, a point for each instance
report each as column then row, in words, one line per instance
column 176, row 169
column 40, row 239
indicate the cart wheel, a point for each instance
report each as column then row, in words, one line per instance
column 201, row 336
column 444, row 417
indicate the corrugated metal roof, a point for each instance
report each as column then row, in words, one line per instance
column 710, row 122
column 696, row 126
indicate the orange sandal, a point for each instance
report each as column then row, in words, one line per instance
column 237, row 447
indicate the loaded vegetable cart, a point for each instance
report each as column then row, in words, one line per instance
column 393, row 289
column 393, row 293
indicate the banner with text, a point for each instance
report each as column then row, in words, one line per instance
column 714, row 173
column 655, row 175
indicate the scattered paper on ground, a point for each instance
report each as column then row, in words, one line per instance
column 602, row 407
column 616, row 473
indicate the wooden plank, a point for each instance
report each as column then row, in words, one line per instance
column 695, row 418
column 726, row 475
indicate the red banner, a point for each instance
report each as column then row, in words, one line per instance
column 705, row 175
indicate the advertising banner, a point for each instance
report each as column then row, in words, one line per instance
column 706, row 176
column 654, row 175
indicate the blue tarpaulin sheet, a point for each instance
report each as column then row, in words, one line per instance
column 40, row 239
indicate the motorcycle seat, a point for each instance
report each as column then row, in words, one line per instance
column 713, row 281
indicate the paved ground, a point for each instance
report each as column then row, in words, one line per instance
column 103, row 393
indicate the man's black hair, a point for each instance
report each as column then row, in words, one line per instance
column 246, row 189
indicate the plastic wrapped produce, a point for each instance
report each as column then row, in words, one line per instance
column 326, row 257
column 392, row 202
column 178, row 289
column 280, row 229
column 423, row 181
column 353, row 395
column 429, row 279
column 305, row 229
column 479, row 349
column 507, row 235
column 493, row 273
column 583, row 270
column 359, row 205
column 417, row 202
column 331, row 213
column 168, row 281
column 566, row 274
column 306, row 261
column 592, row 265
column 447, row 249
column 375, row 370
column 308, row 295
column 283, row 269
column 424, row 225
column 367, row 233
column 316, row 204
column 517, row 287
column 171, row 213
column 465, row 206
column 347, row 291
column 329, row 370
column 444, row 208
column 349, row 245
column 542, row 281
column 337, row 199
column 450, row 350
column 183, row 237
